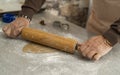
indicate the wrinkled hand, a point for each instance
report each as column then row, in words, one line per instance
column 14, row 28
column 95, row 48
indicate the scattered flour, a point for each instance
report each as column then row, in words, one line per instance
column 69, row 35
column 0, row 29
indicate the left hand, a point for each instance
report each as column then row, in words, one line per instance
column 14, row 28
column 95, row 48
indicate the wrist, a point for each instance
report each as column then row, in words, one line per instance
column 107, row 42
column 25, row 17
column 22, row 19
column 111, row 36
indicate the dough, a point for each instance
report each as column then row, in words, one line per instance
column 36, row 48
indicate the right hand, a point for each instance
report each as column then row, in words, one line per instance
column 95, row 47
column 14, row 28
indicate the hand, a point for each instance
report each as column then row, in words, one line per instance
column 95, row 48
column 14, row 28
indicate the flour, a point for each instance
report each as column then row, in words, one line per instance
column 69, row 35
column 53, row 12
column 0, row 29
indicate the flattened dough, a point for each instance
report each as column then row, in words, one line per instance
column 36, row 48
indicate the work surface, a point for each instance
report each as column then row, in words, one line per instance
column 10, row 5
column 13, row 61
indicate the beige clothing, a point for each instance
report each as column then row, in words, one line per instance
column 103, row 14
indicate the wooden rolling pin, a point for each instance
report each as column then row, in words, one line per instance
column 48, row 39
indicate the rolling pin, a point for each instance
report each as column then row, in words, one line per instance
column 48, row 39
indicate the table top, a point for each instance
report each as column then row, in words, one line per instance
column 13, row 61
column 10, row 5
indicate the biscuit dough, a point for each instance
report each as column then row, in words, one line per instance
column 36, row 48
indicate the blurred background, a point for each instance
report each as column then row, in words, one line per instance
column 75, row 11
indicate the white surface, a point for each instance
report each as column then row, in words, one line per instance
column 14, row 62
column 10, row 5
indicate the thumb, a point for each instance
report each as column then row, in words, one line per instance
column 78, row 46
column 4, row 28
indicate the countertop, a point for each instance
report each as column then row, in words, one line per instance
column 13, row 61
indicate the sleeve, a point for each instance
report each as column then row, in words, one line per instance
column 113, row 34
column 30, row 7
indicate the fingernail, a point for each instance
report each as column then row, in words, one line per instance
column 95, row 59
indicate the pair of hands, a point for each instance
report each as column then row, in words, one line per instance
column 94, row 48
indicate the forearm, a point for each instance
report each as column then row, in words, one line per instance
column 30, row 7
column 112, row 35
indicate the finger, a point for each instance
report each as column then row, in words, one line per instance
column 78, row 47
column 96, row 57
column 91, row 54
column 83, row 47
column 13, row 33
column 8, row 31
column 79, row 44
column 85, row 51
column 16, row 29
column 17, row 33
column 20, row 29
column 4, row 28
